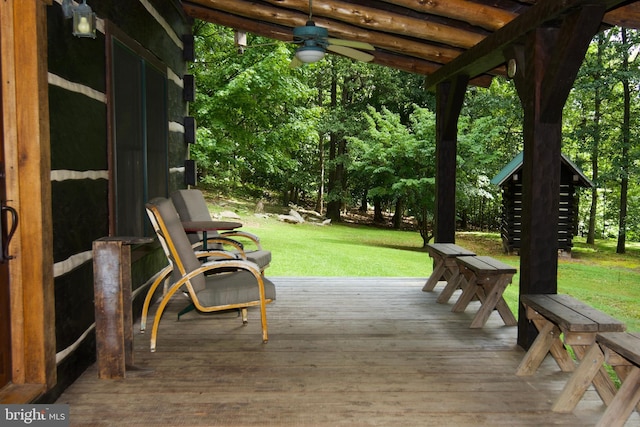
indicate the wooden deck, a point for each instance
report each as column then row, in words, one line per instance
column 342, row 351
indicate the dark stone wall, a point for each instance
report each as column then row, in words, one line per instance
column 79, row 142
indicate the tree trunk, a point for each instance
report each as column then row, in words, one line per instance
column 624, row 161
column 320, row 198
column 377, row 210
column 423, row 225
column 334, row 182
column 397, row 216
column 595, row 150
column 364, row 201
column 335, row 176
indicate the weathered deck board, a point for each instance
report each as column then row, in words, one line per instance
column 357, row 352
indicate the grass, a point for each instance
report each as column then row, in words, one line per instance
column 594, row 274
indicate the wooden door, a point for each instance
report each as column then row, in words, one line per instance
column 5, row 317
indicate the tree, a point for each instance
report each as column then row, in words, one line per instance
column 250, row 110
column 490, row 136
column 395, row 163
column 583, row 116
column 628, row 79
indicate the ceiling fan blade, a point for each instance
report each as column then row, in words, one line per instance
column 351, row 43
column 351, row 53
column 295, row 62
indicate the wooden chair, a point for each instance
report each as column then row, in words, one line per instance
column 192, row 206
column 212, row 286
column 169, row 274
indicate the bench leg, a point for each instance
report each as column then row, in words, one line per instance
column 623, row 370
column 622, row 405
column 493, row 299
column 547, row 334
column 601, row 380
column 505, row 312
column 432, row 281
column 547, row 341
column 559, row 351
column 452, row 285
column 580, row 380
column 469, row 288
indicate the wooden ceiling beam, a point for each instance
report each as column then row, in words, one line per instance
column 294, row 13
column 372, row 19
column 414, row 48
column 489, row 53
column 484, row 16
column 384, row 58
column 417, row 66
column 626, row 16
column 272, row 31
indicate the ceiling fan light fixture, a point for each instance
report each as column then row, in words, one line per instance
column 310, row 54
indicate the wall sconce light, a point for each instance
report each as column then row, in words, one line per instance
column 84, row 20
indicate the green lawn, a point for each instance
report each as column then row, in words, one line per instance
column 595, row 275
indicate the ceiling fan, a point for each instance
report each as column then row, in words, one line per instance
column 315, row 42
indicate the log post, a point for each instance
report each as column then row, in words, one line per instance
column 547, row 66
column 449, row 99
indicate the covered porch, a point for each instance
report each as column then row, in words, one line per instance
column 342, row 351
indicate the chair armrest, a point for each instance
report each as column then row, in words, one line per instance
column 235, row 233
column 221, row 254
column 223, row 241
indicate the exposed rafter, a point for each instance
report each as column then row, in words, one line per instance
column 490, row 53
column 439, row 39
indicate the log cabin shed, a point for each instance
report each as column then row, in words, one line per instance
column 94, row 127
column 509, row 179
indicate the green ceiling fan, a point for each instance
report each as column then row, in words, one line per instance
column 314, row 42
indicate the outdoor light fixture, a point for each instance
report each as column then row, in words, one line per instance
column 309, row 54
column 512, row 68
column 84, row 20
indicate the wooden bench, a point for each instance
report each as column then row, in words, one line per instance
column 444, row 256
column 486, row 279
column 578, row 323
column 621, row 350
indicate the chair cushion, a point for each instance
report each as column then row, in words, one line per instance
column 261, row 258
column 179, row 239
column 233, row 288
column 191, row 206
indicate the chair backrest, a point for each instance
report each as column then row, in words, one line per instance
column 191, row 206
column 173, row 238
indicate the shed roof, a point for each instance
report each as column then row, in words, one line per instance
column 515, row 165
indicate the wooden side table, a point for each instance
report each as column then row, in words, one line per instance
column 205, row 226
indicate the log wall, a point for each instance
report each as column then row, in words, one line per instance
column 511, row 224
column 81, row 149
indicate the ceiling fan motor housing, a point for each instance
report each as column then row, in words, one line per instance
column 310, row 35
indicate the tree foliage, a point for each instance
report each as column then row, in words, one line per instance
column 346, row 134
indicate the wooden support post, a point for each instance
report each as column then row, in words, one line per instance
column 549, row 62
column 450, row 96
column 114, row 320
column 112, row 287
